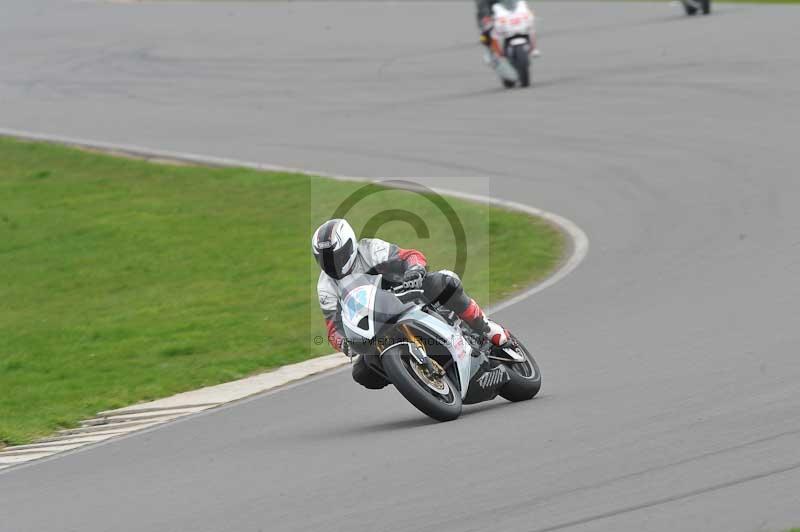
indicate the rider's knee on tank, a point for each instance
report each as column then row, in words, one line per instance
column 367, row 378
column 445, row 287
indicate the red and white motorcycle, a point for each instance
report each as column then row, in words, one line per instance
column 513, row 41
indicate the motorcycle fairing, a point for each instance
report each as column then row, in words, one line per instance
column 513, row 18
column 485, row 384
column 452, row 339
column 358, row 307
column 367, row 309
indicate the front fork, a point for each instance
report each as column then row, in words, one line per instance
column 418, row 352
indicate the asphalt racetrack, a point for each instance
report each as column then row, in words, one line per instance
column 671, row 356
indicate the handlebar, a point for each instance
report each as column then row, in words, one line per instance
column 408, row 286
column 406, row 294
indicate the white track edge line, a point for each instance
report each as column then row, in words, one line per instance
column 148, row 429
column 579, row 240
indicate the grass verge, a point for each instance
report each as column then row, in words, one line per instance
column 124, row 280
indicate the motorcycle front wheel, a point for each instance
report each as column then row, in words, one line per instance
column 433, row 395
column 526, row 379
column 521, row 60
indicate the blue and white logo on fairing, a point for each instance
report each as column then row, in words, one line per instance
column 356, row 302
column 356, row 306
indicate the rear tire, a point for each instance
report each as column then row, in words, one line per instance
column 690, row 10
column 706, row 6
column 442, row 407
column 509, row 84
column 521, row 60
column 526, row 379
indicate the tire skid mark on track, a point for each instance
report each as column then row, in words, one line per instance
column 671, row 498
column 642, row 472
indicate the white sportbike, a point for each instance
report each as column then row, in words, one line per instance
column 512, row 42
column 433, row 359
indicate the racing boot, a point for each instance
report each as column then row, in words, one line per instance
column 477, row 320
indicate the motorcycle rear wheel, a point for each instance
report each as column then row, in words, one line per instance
column 437, row 398
column 526, row 379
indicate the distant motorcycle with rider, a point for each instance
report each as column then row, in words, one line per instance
column 508, row 33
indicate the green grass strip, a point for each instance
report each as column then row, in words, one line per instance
column 124, row 280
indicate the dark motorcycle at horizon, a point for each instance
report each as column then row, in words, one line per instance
column 693, row 7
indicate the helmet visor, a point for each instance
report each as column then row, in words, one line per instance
column 333, row 261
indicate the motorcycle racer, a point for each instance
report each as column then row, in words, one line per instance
column 339, row 254
column 485, row 16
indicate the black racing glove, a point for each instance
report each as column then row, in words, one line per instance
column 413, row 276
column 345, row 347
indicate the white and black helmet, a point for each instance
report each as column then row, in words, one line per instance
column 335, row 247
